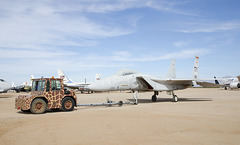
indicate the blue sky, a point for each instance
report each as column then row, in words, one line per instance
column 85, row 37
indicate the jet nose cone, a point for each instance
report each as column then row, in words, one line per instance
column 98, row 86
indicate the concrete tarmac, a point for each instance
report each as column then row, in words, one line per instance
column 202, row 116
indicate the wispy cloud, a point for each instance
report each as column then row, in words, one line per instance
column 182, row 54
column 171, row 6
column 105, row 6
column 116, row 56
column 181, row 43
column 47, row 22
column 33, row 53
column 210, row 27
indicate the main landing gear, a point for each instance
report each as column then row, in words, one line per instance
column 154, row 97
column 175, row 97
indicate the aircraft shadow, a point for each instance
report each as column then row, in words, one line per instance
column 170, row 100
column 4, row 97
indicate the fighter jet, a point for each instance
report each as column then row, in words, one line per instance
column 233, row 83
column 131, row 80
column 4, row 86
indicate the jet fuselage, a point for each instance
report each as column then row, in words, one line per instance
column 128, row 82
column 4, row 86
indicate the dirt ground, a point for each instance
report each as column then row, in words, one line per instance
column 201, row 116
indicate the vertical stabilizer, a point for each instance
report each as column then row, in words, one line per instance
column 63, row 76
column 32, row 77
column 97, row 76
column 171, row 72
column 195, row 68
column 216, row 81
column 238, row 78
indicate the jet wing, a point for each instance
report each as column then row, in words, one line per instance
column 207, row 84
column 145, row 82
column 163, row 84
column 173, row 81
column 184, row 82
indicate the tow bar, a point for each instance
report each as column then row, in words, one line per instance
column 108, row 103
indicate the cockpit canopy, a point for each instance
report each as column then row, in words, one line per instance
column 124, row 72
column 1, row 80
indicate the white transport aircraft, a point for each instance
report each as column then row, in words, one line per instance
column 75, row 85
column 131, row 80
column 4, row 86
column 233, row 83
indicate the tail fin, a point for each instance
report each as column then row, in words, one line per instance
column 13, row 85
column 171, row 72
column 97, row 76
column 32, row 77
column 216, row 81
column 238, row 78
column 63, row 76
column 195, row 68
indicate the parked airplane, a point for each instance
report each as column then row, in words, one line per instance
column 232, row 83
column 73, row 85
column 4, row 86
column 131, row 80
column 25, row 87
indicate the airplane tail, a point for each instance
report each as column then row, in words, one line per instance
column 32, row 77
column 97, row 76
column 172, row 72
column 63, row 76
column 238, row 78
column 216, row 81
column 195, row 68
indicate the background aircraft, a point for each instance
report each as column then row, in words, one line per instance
column 73, row 85
column 131, row 80
column 232, row 83
column 25, row 87
column 4, row 86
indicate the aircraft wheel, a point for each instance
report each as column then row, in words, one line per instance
column 154, row 98
column 38, row 106
column 120, row 103
column 175, row 98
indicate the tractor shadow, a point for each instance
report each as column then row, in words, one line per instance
column 51, row 111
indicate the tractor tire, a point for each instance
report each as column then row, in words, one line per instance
column 38, row 106
column 68, row 104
